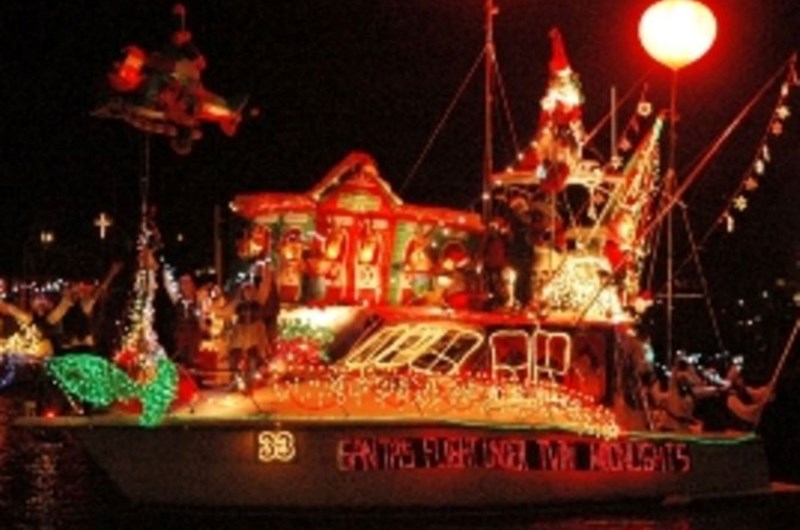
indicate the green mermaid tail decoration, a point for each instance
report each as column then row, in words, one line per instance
column 97, row 381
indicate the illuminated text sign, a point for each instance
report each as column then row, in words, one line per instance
column 379, row 453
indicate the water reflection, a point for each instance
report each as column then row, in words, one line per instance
column 48, row 482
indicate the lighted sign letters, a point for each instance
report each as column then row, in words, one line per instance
column 508, row 453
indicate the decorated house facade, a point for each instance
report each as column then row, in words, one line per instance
column 352, row 240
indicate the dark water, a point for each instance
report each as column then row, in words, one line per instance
column 48, row 482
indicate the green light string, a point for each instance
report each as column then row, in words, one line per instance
column 97, row 381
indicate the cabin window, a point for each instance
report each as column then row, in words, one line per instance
column 434, row 348
column 375, row 346
column 552, row 353
column 447, row 351
column 510, row 354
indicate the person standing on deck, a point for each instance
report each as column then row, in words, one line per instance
column 187, row 329
column 249, row 345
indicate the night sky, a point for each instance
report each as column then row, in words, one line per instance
column 374, row 75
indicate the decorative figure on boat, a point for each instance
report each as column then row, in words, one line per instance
column 453, row 276
column 419, row 263
column 95, row 380
column 255, row 243
column 368, row 276
column 746, row 402
column 290, row 265
column 556, row 148
column 162, row 92
column 334, row 256
column 300, row 343
column 674, row 407
column 326, row 265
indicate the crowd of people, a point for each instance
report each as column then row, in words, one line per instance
column 66, row 325
column 221, row 337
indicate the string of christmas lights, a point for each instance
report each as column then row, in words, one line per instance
column 740, row 200
column 471, row 397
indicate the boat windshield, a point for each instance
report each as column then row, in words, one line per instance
column 427, row 347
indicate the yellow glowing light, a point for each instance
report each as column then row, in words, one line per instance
column 677, row 32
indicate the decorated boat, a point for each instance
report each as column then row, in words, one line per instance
column 430, row 357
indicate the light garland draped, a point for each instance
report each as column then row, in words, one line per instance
column 740, row 200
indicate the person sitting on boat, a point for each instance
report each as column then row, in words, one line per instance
column 249, row 343
column 75, row 312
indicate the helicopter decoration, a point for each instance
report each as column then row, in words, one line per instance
column 162, row 92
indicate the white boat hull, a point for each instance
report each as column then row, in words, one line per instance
column 366, row 466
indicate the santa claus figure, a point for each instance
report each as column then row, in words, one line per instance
column 556, row 149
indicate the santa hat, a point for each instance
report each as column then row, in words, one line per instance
column 558, row 59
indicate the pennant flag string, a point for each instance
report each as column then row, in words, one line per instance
column 751, row 181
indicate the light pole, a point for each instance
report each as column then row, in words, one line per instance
column 675, row 33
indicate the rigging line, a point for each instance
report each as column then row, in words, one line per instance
column 621, row 102
column 506, row 109
column 787, row 349
column 655, row 245
column 703, row 282
column 144, row 181
column 443, row 120
column 723, row 137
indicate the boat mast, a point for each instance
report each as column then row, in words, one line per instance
column 487, row 149
column 670, row 190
